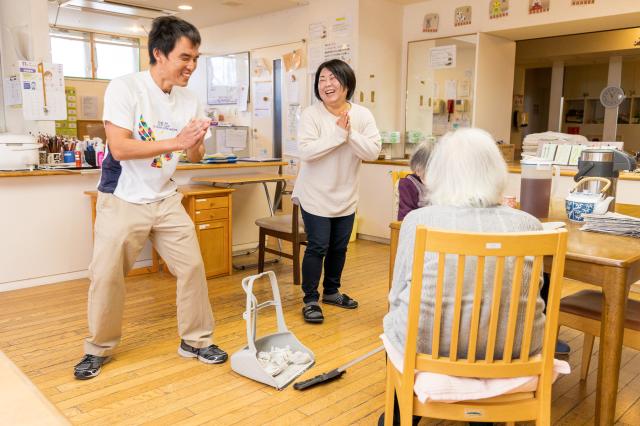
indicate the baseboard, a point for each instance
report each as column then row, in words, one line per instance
column 374, row 238
column 57, row 278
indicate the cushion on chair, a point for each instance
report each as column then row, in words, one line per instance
column 279, row 223
column 588, row 303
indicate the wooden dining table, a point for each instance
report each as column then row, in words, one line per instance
column 612, row 263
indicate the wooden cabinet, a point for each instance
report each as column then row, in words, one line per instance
column 210, row 210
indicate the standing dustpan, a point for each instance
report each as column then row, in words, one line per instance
column 245, row 362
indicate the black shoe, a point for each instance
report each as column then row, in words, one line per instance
column 89, row 366
column 209, row 355
column 342, row 301
column 312, row 313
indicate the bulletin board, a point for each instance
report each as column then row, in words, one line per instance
column 228, row 79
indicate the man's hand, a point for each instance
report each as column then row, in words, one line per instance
column 192, row 134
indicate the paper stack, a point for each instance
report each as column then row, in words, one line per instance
column 612, row 223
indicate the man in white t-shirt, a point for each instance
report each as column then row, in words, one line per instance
column 150, row 119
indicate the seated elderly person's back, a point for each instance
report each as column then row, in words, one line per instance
column 465, row 179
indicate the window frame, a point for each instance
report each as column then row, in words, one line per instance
column 91, row 36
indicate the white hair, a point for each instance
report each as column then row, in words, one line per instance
column 420, row 158
column 466, row 169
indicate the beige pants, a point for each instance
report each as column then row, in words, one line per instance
column 121, row 230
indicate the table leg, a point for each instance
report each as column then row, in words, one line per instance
column 615, row 297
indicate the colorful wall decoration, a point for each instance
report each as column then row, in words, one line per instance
column 581, row 2
column 538, row 6
column 462, row 16
column 498, row 8
column 430, row 23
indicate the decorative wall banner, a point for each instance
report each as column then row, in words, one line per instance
column 430, row 23
column 538, row 6
column 462, row 16
column 581, row 2
column 498, row 8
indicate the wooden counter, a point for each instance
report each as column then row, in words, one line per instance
column 513, row 167
column 181, row 166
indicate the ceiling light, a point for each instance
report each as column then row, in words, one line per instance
column 185, row 7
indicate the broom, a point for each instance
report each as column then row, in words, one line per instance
column 334, row 374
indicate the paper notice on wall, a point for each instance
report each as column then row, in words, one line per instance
column 42, row 86
column 262, row 99
column 442, row 57
column 450, row 89
column 293, row 90
column 317, row 31
column 221, row 142
column 464, row 88
column 89, row 107
column 338, row 50
column 11, row 90
column 236, row 138
column 341, row 27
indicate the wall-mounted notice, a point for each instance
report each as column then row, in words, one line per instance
column 317, row 31
column 262, row 99
column 42, row 86
column 12, row 94
column 442, row 57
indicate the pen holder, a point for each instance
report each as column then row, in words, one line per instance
column 68, row 157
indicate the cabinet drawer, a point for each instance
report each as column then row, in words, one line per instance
column 211, row 203
column 210, row 214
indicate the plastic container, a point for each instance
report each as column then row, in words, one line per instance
column 68, row 157
column 535, row 186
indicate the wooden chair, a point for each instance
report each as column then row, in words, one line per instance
column 284, row 227
column 395, row 177
column 399, row 174
column 510, row 408
column 582, row 311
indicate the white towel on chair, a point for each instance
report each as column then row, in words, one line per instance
column 444, row 388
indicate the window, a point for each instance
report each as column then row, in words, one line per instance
column 92, row 55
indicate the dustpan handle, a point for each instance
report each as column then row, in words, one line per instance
column 252, row 306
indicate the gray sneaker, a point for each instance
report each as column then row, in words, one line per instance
column 89, row 366
column 209, row 355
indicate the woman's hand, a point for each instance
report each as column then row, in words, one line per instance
column 344, row 121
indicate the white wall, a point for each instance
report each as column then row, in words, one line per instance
column 29, row 18
column 380, row 54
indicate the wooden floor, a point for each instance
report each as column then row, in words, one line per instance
column 41, row 330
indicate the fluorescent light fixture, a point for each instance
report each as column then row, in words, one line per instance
column 185, row 7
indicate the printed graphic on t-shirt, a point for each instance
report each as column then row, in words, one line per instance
column 147, row 135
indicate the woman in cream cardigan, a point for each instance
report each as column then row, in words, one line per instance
column 334, row 137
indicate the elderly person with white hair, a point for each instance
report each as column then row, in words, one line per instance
column 465, row 178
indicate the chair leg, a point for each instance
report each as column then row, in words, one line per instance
column 296, row 264
column 388, row 397
column 587, row 350
column 262, row 241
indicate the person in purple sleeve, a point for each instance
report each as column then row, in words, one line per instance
column 412, row 193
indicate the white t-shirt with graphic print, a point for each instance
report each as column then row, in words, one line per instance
column 135, row 102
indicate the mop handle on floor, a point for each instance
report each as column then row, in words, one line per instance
column 334, row 374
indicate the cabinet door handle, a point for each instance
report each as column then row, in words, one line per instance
column 198, row 212
column 204, row 226
column 201, row 200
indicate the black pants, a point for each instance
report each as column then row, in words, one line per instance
column 327, row 240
